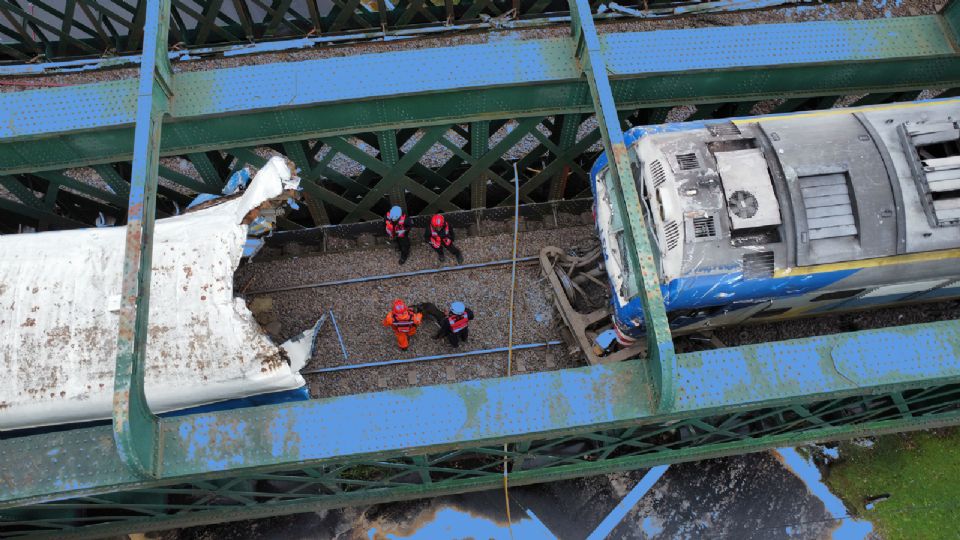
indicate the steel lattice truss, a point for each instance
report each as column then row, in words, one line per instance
column 374, row 142
column 476, row 468
column 553, row 154
column 55, row 30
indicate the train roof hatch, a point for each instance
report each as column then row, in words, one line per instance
column 747, row 187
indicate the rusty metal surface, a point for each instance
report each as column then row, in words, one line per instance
column 503, row 77
column 583, row 400
column 135, row 427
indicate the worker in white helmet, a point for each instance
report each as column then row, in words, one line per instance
column 456, row 325
column 397, row 229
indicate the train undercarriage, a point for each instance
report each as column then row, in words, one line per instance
column 582, row 298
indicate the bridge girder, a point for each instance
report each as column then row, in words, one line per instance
column 376, row 447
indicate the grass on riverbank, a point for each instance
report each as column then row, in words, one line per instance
column 919, row 471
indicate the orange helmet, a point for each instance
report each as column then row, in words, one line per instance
column 399, row 307
column 437, row 221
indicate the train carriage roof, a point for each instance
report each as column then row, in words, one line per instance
column 59, row 303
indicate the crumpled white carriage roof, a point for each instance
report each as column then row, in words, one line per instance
column 59, row 304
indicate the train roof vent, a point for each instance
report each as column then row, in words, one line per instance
column 688, row 162
column 751, row 201
column 758, row 265
column 936, row 164
column 704, row 227
column 723, row 130
column 671, row 233
column 826, row 200
column 657, row 173
column 943, row 181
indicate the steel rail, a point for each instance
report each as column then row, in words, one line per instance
column 433, row 357
column 392, row 276
column 336, row 327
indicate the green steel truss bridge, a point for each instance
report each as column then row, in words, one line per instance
column 143, row 472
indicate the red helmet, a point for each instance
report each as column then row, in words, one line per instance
column 399, row 307
column 437, row 221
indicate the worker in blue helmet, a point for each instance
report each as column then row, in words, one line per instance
column 397, row 229
column 456, row 325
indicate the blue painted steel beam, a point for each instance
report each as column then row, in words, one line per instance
column 135, row 428
column 640, row 256
column 488, row 412
column 501, row 78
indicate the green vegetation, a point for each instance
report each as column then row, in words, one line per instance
column 919, row 471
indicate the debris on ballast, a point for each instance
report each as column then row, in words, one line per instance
column 300, row 348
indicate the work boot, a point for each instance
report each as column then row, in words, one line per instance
column 403, row 259
column 440, row 254
column 459, row 258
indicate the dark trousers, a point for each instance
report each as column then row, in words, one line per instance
column 456, row 337
column 451, row 248
column 403, row 245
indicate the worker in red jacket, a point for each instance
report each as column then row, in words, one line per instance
column 440, row 236
column 456, row 326
column 396, row 225
column 404, row 322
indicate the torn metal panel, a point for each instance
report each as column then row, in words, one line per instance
column 299, row 349
column 59, row 300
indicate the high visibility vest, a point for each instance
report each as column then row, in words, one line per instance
column 404, row 325
column 458, row 323
column 398, row 228
column 436, row 238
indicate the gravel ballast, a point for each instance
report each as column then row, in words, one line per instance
column 359, row 309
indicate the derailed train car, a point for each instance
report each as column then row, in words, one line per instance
column 780, row 216
column 59, row 315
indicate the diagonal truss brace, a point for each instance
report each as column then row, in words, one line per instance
column 135, row 428
column 590, row 61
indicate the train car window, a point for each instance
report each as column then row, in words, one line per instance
column 837, row 295
column 687, row 316
column 636, row 168
column 770, row 313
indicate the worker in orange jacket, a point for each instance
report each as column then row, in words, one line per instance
column 404, row 322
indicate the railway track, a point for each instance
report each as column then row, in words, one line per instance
column 362, row 356
column 358, row 286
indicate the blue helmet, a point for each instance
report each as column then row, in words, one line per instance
column 457, row 308
column 395, row 213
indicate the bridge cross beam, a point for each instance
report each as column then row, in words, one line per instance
column 591, row 63
column 135, row 427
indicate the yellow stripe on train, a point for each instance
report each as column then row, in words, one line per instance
column 908, row 258
column 843, row 110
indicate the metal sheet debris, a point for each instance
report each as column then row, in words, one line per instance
column 59, row 296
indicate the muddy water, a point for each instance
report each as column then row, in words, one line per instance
column 762, row 496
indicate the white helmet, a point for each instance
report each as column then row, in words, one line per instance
column 395, row 213
column 457, row 308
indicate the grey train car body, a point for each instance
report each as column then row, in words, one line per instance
column 780, row 216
